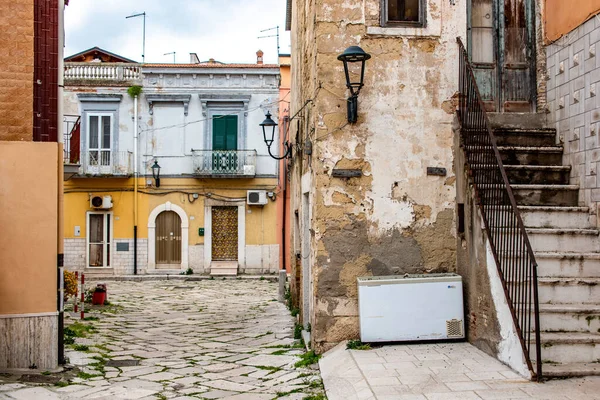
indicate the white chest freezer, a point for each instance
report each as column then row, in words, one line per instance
column 410, row 307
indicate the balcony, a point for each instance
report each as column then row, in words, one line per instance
column 102, row 74
column 106, row 163
column 225, row 163
column 71, row 135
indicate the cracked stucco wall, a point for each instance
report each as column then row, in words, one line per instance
column 394, row 219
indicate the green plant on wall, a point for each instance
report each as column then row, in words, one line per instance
column 134, row 91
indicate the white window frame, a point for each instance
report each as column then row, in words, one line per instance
column 108, row 215
column 98, row 168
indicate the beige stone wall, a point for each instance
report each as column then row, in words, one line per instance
column 16, row 70
column 395, row 219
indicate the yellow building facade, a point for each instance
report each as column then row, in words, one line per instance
column 213, row 208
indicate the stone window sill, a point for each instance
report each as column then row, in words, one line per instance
column 433, row 30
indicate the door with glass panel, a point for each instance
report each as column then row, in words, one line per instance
column 501, row 47
column 99, row 240
column 99, row 159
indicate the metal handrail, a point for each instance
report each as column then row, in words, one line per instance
column 504, row 226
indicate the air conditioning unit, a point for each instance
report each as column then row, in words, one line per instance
column 257, row 197
column 101, row 202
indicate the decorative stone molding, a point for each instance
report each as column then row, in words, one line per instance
column 98, row 97
column 224, row 98
column 169, row 98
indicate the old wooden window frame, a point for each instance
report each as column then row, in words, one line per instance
column 416, row 24
column 107, row 250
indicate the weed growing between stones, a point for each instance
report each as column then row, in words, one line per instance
column 81, row 347
column 298, row 331
column 307, row 359
column 268, row 368
column 357, row 345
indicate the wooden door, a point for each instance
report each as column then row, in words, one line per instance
column 501, row 47
column 224, row 233
column 168, row 240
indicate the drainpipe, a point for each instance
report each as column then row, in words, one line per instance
column 60, row 184
column 135, row 184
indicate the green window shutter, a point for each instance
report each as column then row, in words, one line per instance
column 225, row 132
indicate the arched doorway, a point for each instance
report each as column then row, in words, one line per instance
column 166, row 252
column 168, row 240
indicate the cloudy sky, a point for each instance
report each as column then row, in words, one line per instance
column 225, row 30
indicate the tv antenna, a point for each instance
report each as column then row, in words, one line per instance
column 142, row 14
column 269, row 36
column 168, row 54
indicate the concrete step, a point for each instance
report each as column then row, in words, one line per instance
column 525, row 137
column 538, row 174
column 556, row 217
column 519, row 120
column 531, row 155
column 570, row 318
column 569, row 347
column 546, row 195
column 534, row 195
column 568, row 265
column 223, row 268
column 567, row 240
column 532, row 174
column 570, row 370
column 569, row 290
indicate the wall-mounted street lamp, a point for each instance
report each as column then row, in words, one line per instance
column 268, row 128
column 156, row 173
column 354, row 55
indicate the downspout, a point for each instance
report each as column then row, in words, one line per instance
column 60, row 186
column 284, row 190
column 135, row 184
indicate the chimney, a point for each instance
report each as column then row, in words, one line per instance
column 259, row 57
column 211, row 61
column 194, row 58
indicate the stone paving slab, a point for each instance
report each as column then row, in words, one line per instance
column 435, row 372
column 209, row 339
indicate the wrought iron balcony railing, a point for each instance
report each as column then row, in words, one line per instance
column 106, row 163
column 102, row 72
column 236, row 163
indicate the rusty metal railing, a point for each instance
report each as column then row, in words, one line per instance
column 71, row 138
column 506, row 233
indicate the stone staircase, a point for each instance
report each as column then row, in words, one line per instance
column 566, row 242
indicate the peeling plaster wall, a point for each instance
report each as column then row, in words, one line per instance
column 394, row 219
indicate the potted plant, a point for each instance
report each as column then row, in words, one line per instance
column 99, row 295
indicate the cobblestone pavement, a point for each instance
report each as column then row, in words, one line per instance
column 212, row 339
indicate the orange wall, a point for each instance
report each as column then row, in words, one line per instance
column 28, row 221
column 16, row 66
column 284, row 106
column 562, row 16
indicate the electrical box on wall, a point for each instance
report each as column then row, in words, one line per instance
column 200, row 231
column 257, row 197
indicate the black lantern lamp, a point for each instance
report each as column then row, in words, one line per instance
column 156, row 173
column 268, row 127
column 351, row 55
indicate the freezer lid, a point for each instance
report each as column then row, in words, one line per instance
column 407, row 279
